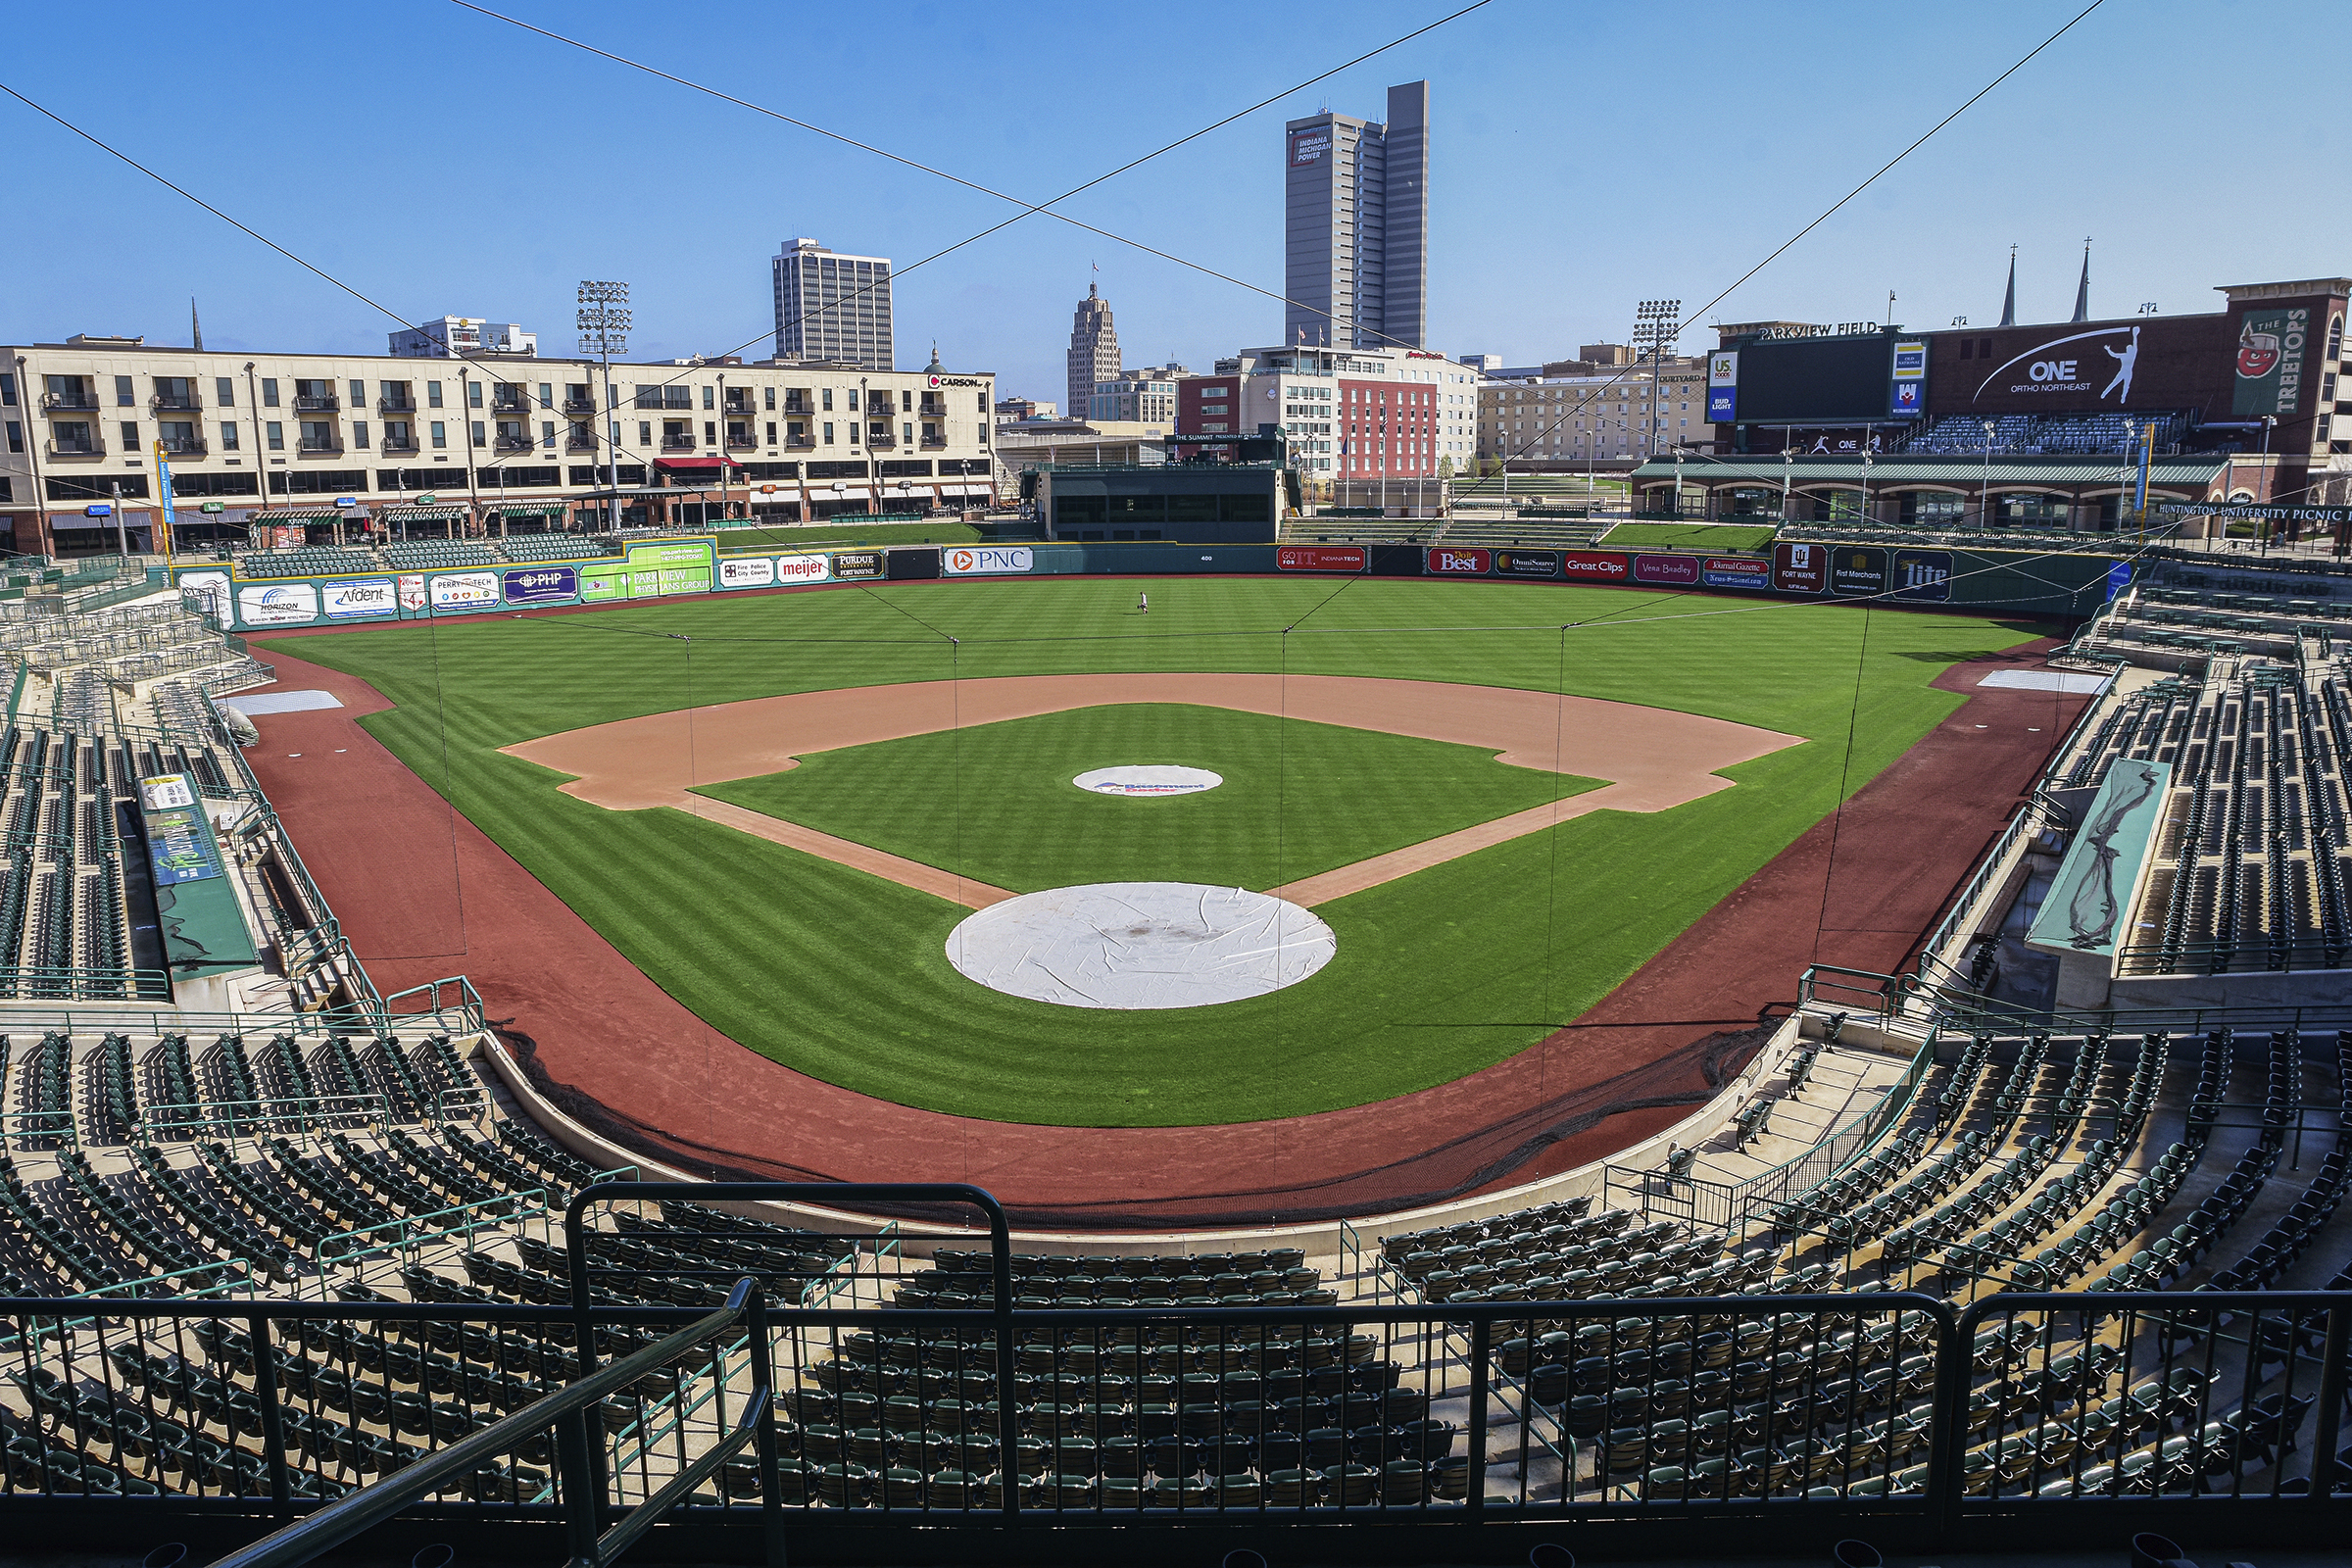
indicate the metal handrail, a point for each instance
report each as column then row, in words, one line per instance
column 481, row 1213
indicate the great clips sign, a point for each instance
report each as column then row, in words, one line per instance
column 1594, row 566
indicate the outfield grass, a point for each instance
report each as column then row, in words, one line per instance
column 818, row 535
column 1687, row 536
column 1298, row 797
column 1436, row 976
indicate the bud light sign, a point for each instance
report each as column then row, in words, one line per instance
column 542, row 585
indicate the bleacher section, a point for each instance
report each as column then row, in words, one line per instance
column 555, row 546
column 2120, row 432
column 306, row 561
column 425, row 554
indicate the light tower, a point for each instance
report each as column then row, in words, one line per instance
column 604, row 323
column 1657, row 327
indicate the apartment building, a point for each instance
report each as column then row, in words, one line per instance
column 1137, row 398
column 1348, row 413
column 1590, row 411
column 95, row 420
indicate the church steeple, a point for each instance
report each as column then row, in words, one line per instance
column 2009, row 300
column 2082, row 289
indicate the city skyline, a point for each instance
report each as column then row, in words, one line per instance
column 1585, row 238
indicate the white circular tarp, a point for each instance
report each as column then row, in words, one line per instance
column 1148, row 779
column 1132, row 944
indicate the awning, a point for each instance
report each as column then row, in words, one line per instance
column 545, row 509
column 296, row 515
column 418, row 514
column 710, row 461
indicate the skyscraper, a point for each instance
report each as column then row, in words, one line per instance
column 1093, row 351
column 833, row 307
column 1356, row 210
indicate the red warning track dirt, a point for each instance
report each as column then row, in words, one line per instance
column 392, row 858
column 1654, row 758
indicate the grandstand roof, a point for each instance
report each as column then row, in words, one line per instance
column 1899, row 468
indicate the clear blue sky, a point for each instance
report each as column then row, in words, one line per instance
column 1585, row 157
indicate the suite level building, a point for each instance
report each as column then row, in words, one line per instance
column 1345, row 412
column 1591, row 412
column 91, row 419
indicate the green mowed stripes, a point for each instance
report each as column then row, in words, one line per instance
column 995, row 802
column 845, row 977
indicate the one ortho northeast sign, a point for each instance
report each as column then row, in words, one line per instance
column 1319, row 557
column 1800, row 568
column 982, row 561
column 1857, row 569
column 1444, row 561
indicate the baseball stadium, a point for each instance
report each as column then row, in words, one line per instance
column 713, row 1046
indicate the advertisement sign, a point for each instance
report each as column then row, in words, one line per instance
column 358, row 599
column 278, row 604
column 981, row 561
column 1907, row 400
column 1800, row 568
column 859, row 563
column 1442, row 562
column 1593, row 566
column 754, row 572
column 1319, row 557
column 1734, row 572
column 411, row 590
column 2270, row 359
column 1908, row 396
column 2119, row 577
column 1857, row 569
column 1924, row 575
column 1527, row 563
column 209, row 590
column 1723, row 386
column 650, row 571
column 802, row 569
column 179, row 840
column 466, row 590
column 1308, row 146
column 541, row 585
column 1677, row 571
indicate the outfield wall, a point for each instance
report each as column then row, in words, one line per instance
column 1975, row 580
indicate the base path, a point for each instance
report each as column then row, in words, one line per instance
column 1655, row 759
column 613, row 1047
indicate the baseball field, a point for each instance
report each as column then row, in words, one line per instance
column 1452, row 775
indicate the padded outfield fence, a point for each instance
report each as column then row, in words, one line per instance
column 758, row 1428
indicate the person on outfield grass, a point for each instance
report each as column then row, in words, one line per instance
column 1143, row 602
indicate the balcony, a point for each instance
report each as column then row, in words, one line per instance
column 69, row 402
column 514, row 443
column 798, row 402
column 168, row 403
column 934, row 443
column 394, row 406
column 500, row 405
column 799, row 443
column 94, row 447
column 933, row 409
column 738, row 411
column 678, row 443
column 881, row 438
column 741, row 443
column 399, row 443
column 579, row 405
column 316, row 405
column 183, row 447
column 320, row 444
column 579, row 443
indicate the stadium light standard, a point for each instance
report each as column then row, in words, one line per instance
column 1788, row 472
column 1985, row 484
column 603, row 325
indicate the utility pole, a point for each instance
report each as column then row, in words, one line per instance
column 603, row 324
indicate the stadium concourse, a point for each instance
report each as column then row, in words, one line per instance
column 1871, row 878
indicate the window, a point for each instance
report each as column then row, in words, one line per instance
column 645, row 432
column 479, row 439
column 853, row 399
column 828, row 397
column 276, row 435
column 828, row 422
column 473, row 393
column 125, row 397
column 772, row 425
column 358, row 430
column 225, row 391
column 710, row 395
column 547, row 428
column 440, row 430
column 358, row 393
column 319, row 435
column 8, row 391
column 2335, row 337
column 131, row 436
column 269, row 392
column 16, row 436
column 547, row 394
column 432, row 394
column 228, row 435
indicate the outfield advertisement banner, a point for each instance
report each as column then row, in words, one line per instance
column 211, row 590
column 278, row 604
column 1319, row 557
column 1800, row 568
column 1924, row 575
column 1668, row 569
column 360, row 598
column 1736, row 571
column 1594, row 566
column 466, row 590
column 1857, row 571
column 650, row 571
column 770, row 571
column 1445, row 562
column 542, row 585
column 981, row 561
column 1527, row 563
column 852, row 564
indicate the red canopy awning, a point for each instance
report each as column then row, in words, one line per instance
column 711, row 462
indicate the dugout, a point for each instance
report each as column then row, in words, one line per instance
column 1208, row 503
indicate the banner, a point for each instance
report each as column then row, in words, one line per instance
column 180, row 847
column 1723, row 386
column 986, row 560
column 850, row 563
column 541, row 585
column 754, row 572
column 278, row 604
column 1319, row 557
column 1800, row 568
column 1671, row 571
column 360, row 598
column 1907, row 398
column 650, row 571
column 211, row 589
column 1734, row 572
column 412, row 591
column 1594, row 566
column 1527, row 563
column 2270, row 359
column 2333, row 517
column 1857, row 570
column 466, row 590
column 1442, row 562
column 1924, row 575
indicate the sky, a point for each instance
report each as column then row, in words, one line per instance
column 1583, row 158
